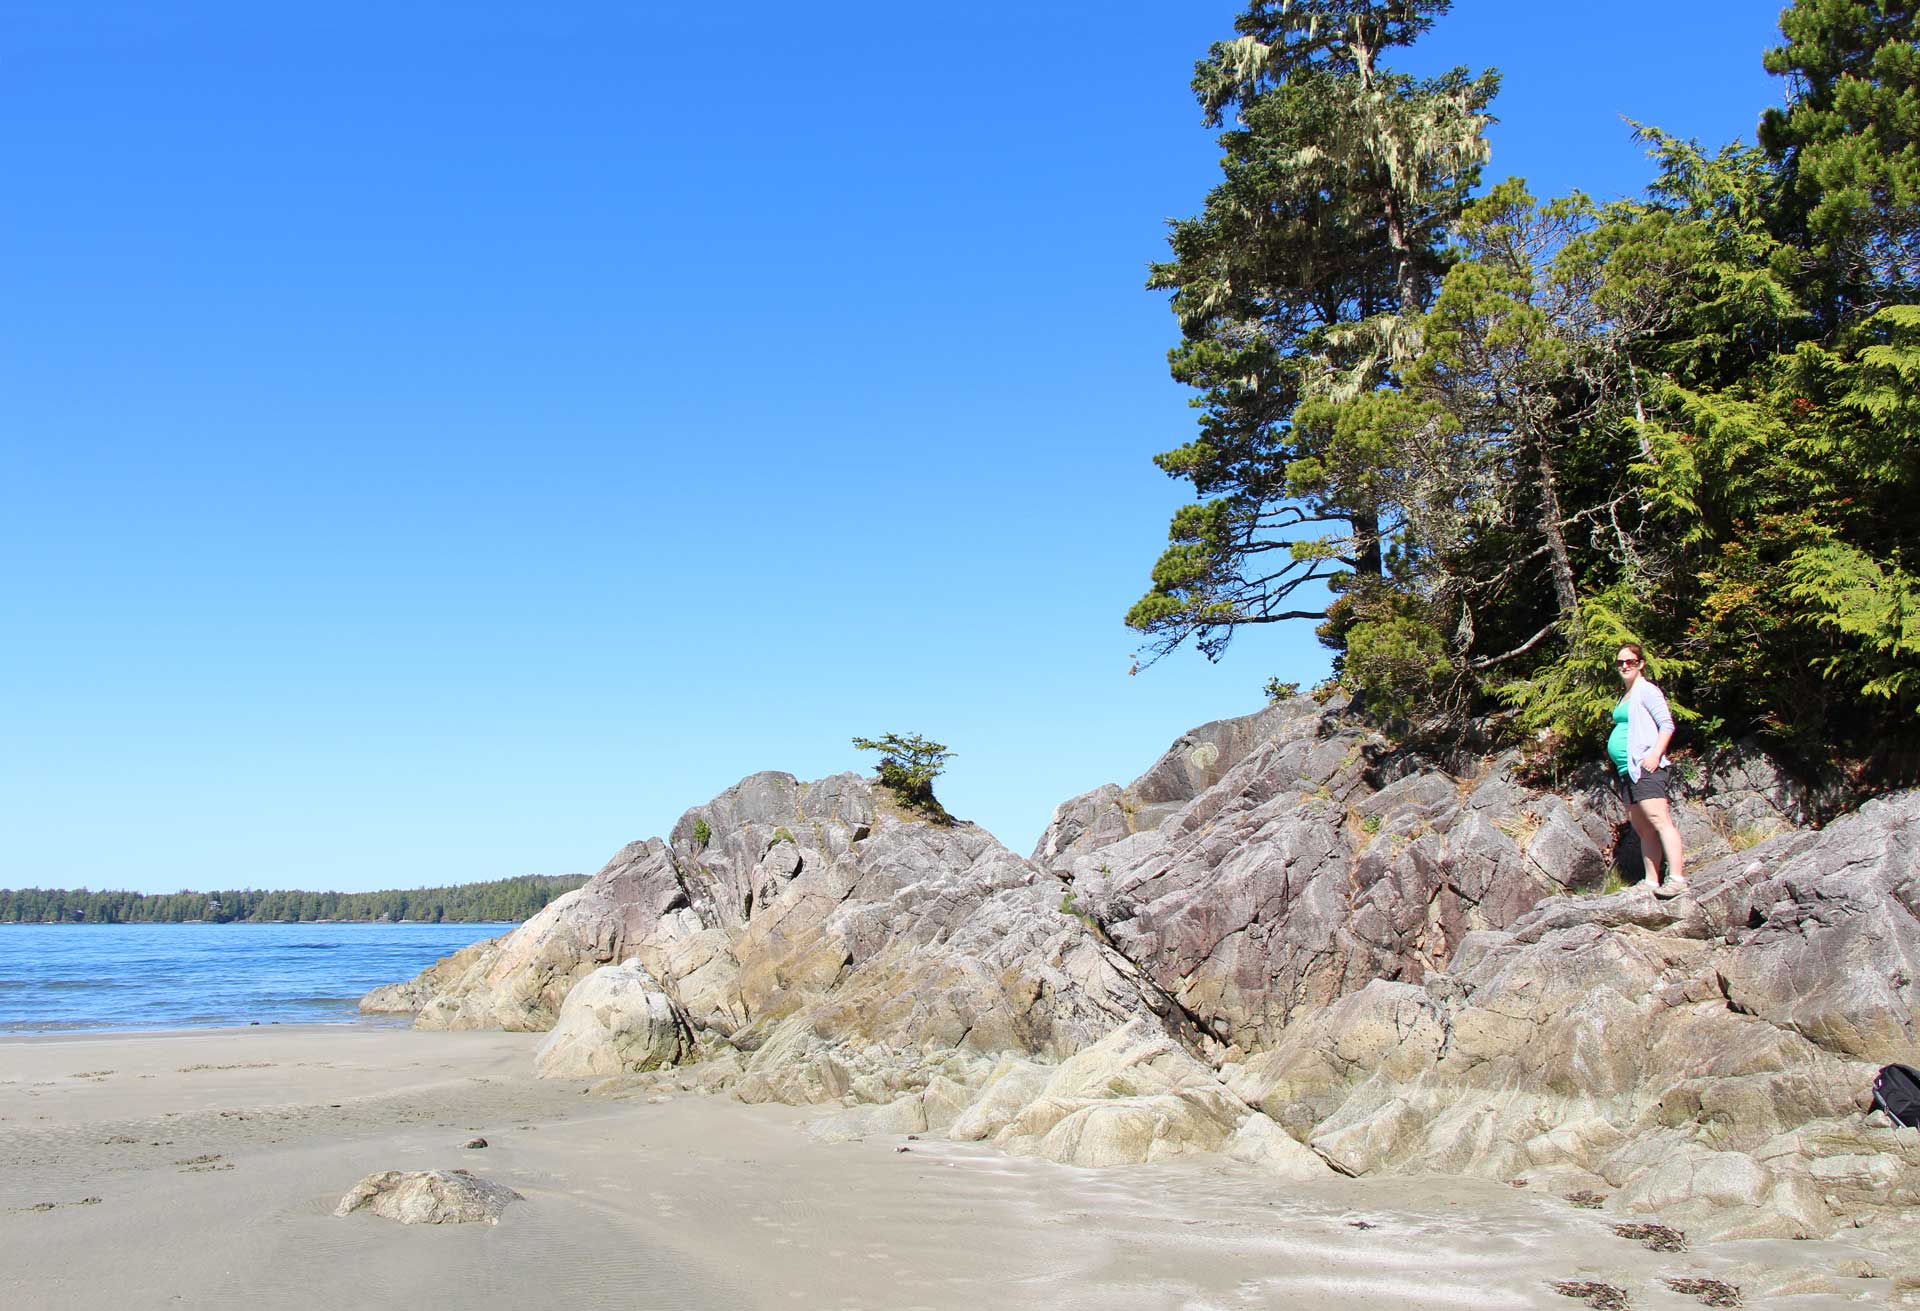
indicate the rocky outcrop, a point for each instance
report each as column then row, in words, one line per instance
column 1711, row 1054
column 1289, row 942
column 409, row 996
column 1298, row 856
column 429, row 1197
column 1293, row 864
column 844, row 946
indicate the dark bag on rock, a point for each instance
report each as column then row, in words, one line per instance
column 1896, row 1090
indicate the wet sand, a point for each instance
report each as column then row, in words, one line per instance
column 201, row 1170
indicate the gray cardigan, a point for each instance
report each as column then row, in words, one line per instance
column 1647, row 718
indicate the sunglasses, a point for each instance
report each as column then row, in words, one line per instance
column 1626, row 664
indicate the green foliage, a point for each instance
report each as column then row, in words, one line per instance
column 1277, row 691
column 1567, row 702
column 702, row 833
column 1297, row 281
column 1505, row 436
column 1877, row 611
column 908, row 765
column 1848, row 146
column 500, row 901
column 781, row 834
column 1393, row 658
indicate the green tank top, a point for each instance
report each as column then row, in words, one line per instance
column 1617, row 740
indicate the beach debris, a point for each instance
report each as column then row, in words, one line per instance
column 1601, row 1297
column 1362, row 1224
column 1586, row 1199
column 238, row 1065
column 204, row 1164
column 91, row 1074
column 903, row 1149
column 1655, row 1238
column 473, row 1143
column 49, row 1206
column 431, row 1197
column 1713, row 1292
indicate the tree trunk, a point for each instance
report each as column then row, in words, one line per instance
column 1564, row 593
column 1405, row 281
column 1366, row 532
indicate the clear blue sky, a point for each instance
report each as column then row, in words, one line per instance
column 447, row 441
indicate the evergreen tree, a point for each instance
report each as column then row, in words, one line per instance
column 1300, row 277
column 1848, row 145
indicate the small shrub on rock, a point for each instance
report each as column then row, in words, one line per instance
column 908, row 765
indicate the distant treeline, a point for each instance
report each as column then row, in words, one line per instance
column 501, row 900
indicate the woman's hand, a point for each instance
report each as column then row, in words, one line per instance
column 1651, row 763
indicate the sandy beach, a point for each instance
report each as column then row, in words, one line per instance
column 201, row 1169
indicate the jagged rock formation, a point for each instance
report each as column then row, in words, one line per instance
column 1290, row 942
column 1269, row 865
column 847, row 947
column 409, row 996
column 1707, row 1054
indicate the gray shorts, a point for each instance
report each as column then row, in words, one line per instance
column 1651, row 787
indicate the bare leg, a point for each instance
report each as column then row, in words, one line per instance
column 1660, row 818
column 1649, row 843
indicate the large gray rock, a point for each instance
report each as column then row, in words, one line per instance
column 1826, row 922
column 409, row 996
column 1713, row 1053
column 1297, row 859
column 617, row 1020
column 429, row 1197
column 848, row 947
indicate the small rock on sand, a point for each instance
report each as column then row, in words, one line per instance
column 429, row 1197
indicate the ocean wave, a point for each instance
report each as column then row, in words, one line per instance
column 65, row 1026
column 64, row 985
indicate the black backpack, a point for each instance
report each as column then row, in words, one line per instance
column 1896, row 1090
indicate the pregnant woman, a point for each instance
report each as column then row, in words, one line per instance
column 1642, row 728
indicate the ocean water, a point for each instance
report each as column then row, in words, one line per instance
column 75, row 977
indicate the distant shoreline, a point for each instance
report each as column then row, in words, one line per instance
column 122, row 924
column 496, row 901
